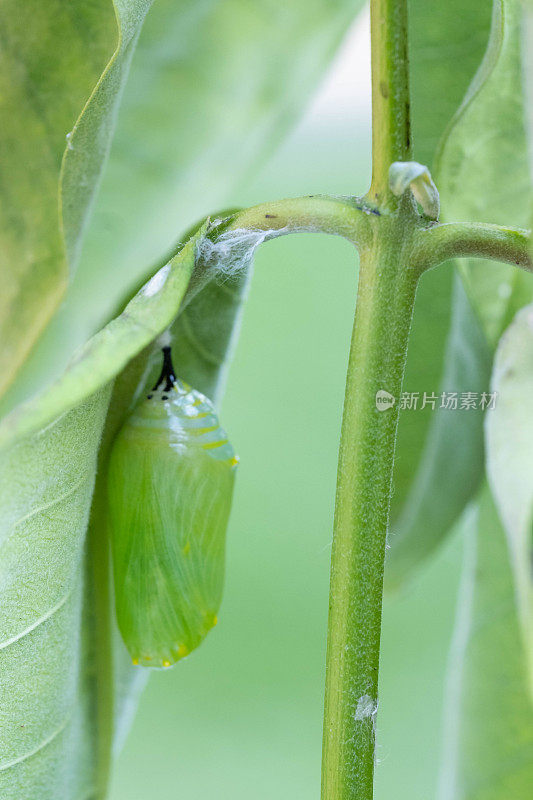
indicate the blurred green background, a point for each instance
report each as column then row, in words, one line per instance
column 242, row 717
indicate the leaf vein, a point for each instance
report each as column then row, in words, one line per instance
column 40, row 746
column 72, row 490
column 36, row 624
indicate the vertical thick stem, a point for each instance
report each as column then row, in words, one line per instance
column 391, row 140
column 385, row 301
column 387, row 286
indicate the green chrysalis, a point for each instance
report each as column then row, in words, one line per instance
column 170, row 484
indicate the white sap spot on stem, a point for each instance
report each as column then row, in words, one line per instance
column 366, row 708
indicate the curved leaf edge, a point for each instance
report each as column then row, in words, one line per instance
column 508, row 438
column 129, row 17
column 429, row 513
column 106, row 354
column 405, row 560
column 491, row 85
column 480, row 79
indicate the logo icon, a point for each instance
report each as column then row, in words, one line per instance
column 384, row 400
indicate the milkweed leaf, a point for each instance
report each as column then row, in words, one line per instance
column 213, row 87
column 205, row 331
column 47, row 480
column 56, row 741
column 482, row 174
column 147, row 315
column 451, row 464
column 248, row 71
column 446, row 45
column 488, row 711
column 483, row 168
column 63, row 70
column 50, row 448
column 509, row 435
column 446, row 351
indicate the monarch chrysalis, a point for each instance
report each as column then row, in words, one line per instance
column 170, row 484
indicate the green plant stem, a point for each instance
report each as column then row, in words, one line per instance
column 340, row 216
column 391, row 138
column 385, row 300
column 474, row 240
column 354, row 218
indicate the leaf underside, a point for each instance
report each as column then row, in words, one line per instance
column 213, row 87
column 56, row 61
column 56, row 740
column 483, row 175
column 483, row 169
column 488, row 713
column 66, row 434
column 447, row 351
column 509, row 436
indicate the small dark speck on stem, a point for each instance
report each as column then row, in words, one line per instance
column 408, row 125
column 271, row 216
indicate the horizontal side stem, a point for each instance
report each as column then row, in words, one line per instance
column 473, row 240
column 349, row 217
column 340, row 216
